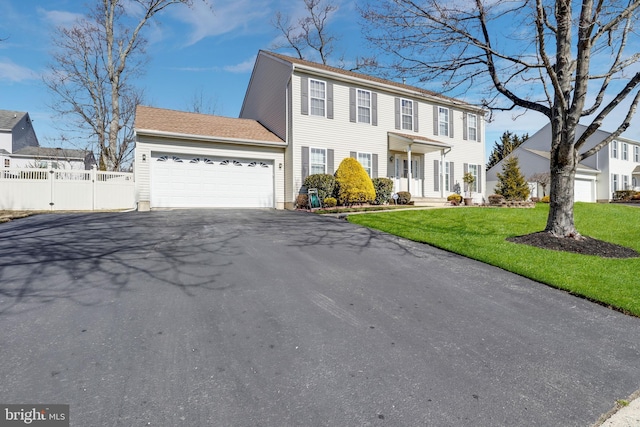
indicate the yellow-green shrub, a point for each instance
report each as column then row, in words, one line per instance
column 330, row 202
column 545, row 199
column 454, row 198
column 353, row 184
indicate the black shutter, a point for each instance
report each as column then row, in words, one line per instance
column 374, row 109
column 374, row 166
column 330, row 170
column 305, row 163
column 304, row 95
column 352, row 104
column 329, row 100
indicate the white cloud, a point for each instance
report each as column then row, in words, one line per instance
column 13, row 72
column 242, row 67
column 59, row 18
column 227, row 16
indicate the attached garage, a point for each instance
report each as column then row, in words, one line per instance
column 188, row 160
column 583, row 190
column 201, row 181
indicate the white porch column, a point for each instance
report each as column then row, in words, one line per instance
column 410, row 172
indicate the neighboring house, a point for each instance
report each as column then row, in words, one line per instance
column 55, row 158
column 16, row 131
column 19, row 147
column 615, row 167
column 300, row 118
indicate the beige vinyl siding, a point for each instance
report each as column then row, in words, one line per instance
column 266, row 97
column 147, row 145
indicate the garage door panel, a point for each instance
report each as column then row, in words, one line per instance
column 208, row 181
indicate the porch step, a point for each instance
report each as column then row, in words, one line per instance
column 428, row 201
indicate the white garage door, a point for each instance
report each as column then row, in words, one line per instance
column 583, row 190
column 190, row 181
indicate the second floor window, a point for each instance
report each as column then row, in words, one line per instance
column 317, row 97
column 365, row 161
column 443, row 121
column 364, row 106
column 472, row 127
column 407, row 114
column 625, row 151
column 636, row 154
column 318, row 160
column 614, row 149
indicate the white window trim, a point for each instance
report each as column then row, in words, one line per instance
column 440, row 122
column 370, row 170
column 625, row 151
column 324, row 100
column 311, row 158
column 615, row 183
column 636, row 153
column 447, row 175
column 625, row 182
column 403, row 115
column 614, row 149
column 469, row 127
column 358, row 106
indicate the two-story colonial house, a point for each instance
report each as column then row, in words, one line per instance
column 300, row 118
column 615, row 167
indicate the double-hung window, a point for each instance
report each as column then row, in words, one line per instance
column 447, row 175
column 614, row 149
column 364, row 106
column 472, row 127
column 407, row 114
column 7, row 163
column 614, row 182
column 473, row 170
column 443, row 121
column 625, row 151
column 625, row 182
column 318, row 160
column 317, row 97
column 636, row 153
column 365, row 161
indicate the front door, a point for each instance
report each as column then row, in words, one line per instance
column 401, row 175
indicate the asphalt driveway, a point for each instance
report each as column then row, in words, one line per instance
column 265, row 318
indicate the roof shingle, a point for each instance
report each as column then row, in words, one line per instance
column 205, row 125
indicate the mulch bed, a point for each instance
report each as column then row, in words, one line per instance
column 588, row 246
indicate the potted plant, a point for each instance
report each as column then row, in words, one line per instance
column 468, row 179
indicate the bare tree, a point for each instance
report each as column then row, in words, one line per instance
column 543, row 179
column 202, row 103
column 91, row 74
column 309, row 31
column 564, row 59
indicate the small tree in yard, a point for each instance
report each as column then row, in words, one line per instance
column 353, row 184
column 511, row 183
column 543, row 179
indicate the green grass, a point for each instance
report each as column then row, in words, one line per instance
column 480, row 233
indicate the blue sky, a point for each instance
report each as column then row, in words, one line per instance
column 191, row 51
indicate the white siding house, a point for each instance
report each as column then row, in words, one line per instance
column 615, row 167
column 423, row 141
column 313, row 116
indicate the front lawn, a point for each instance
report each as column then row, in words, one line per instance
column 480, row 233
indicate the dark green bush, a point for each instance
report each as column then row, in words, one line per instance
column 404, row 197
column 496, row 199
column 383, row 188
column 325, row 184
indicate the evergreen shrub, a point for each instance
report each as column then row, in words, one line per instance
column 353, row 184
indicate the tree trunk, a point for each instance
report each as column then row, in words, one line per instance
column 563, row 164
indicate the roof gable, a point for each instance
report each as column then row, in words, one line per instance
column 9, row 119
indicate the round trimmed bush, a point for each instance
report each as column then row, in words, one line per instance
column 404, row 197
column 325, row 184
column 454, row 199
column 330, row 202
column 383, row 188
column 353, row 184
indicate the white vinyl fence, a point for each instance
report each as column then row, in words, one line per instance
column 62, row 190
